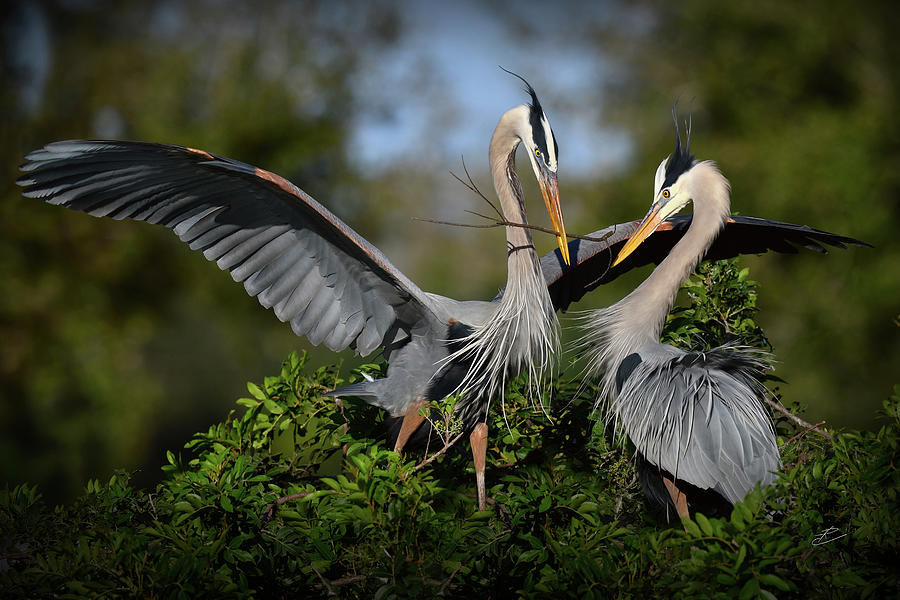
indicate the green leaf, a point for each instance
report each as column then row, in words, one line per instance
column 817, row 470
column 691, row 527
column 272, row 406
column 774, row 580
column 749, row 589
column 704, row 524
column 255, row 391
column 481, row 515
column 726, row 579
column 546, row 501
column 742, row 554
column 226, row 504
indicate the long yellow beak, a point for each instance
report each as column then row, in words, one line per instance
column 647, row 226
column 550, row 191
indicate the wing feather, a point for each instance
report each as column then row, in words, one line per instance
column 592, row 260
column 288, row 250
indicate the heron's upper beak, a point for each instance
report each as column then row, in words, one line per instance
column 659, row 212
column 550, row 190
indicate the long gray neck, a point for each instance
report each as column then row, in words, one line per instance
column 636, row 321
column 509, row 191
column 523, row 331
column 649, row 304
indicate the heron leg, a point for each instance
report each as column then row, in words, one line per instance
column 678, row 498
column 411, row 421
column 478, row 440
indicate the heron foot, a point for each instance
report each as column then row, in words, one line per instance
column 478, row 441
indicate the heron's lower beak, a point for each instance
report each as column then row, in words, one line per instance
column 657, row 214
column 550, row 191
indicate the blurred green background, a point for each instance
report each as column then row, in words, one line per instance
column 117, row 343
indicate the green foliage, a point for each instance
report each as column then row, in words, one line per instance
column 295, row 495
column 442, row 418
column 722, row 309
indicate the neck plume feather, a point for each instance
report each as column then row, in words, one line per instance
column 610, row 334
column 523, row 331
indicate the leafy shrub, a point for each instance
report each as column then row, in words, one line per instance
column 297, row 495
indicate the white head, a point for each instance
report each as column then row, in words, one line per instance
column 673, row 188
column 530, row 126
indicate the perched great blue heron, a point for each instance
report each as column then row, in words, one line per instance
column 332, row 285
column 695, row 417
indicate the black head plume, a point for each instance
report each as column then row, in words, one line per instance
column 537, row 118
column 681, row 159
column 535, row 103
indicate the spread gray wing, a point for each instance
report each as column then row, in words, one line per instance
column 698, row 415
column 592, row 260
column 288, row 250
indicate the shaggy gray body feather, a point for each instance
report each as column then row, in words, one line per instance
column 697, row 416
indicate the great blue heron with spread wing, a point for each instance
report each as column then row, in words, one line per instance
column 332, row 285
column 695, row 417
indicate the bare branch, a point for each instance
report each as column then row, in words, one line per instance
column 505, row 223
column 472, row 187
column 478, row 214
column 328, row 587
column 799, row 435
column 431, row 458
column 777, row 406
column 449, row 579
column 475, row 188
column 502, row 222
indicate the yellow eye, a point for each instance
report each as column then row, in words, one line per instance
column 537, row 152
column 665, row 193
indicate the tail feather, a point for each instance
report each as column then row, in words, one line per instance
column 370, row 391
column 363, row 389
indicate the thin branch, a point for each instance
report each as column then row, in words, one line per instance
column 478, row 214
column 347, row 580
column 473, row 187
column 797, row 419
column 330, row 589
column 505, row 223
column 431, row 458
column 502, row 222
column 799, row 435
column 449, row 579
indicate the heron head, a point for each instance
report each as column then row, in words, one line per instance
column 540, row 143
column 670, row 191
